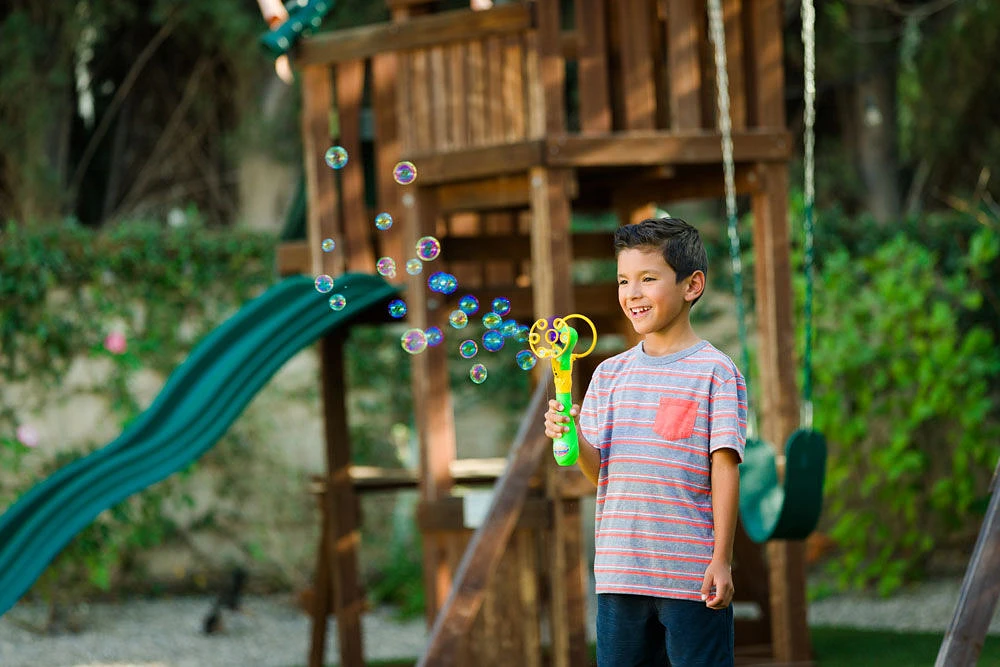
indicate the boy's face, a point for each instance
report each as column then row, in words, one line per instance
column 649, row 294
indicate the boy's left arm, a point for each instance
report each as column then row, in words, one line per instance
column 725, row 509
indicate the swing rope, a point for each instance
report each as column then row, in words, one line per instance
column 718, row 36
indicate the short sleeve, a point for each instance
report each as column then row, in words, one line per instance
column 728, row 416
column 593, row 412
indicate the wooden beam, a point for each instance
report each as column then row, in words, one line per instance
column 322, row 213
column 768, row 74
column 340, row 503
column 385, row 73
column 477, row 163
column 592, row 58
column 653, row 148
column 684, row 64
column 416, row 33
column 735, row 63
column 635, row 24
column 963, row 640
column 776, row 381
column 357, row 247
column 552, row 66
column 490, row 540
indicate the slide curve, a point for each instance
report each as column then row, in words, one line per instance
column 197, row 404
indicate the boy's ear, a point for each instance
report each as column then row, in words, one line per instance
column 695, row 286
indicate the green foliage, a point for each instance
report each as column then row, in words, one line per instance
column 62, row 290
column 905, row 361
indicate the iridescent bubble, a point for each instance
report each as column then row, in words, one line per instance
column 468, row 304
column 414, row 341
column 397, row 308
column 338, row 301
column 468, row 349
column 493, row 340
column 324, row 283
column 523, row 332
column 449, row 284
column 501, row 305
column 525, row 360
column 404, row 172
column 383, row 221
column 336, row 157
column 509, row 328
column 552, row 336
column 458, row 319
column 435, row 281
column 478, row 373
column 434, row 336
column 428, row 248
column 414, row 266
column 328, row 245
column 492, row 320
column 386, row 266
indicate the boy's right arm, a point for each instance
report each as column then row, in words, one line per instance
column 589, row 459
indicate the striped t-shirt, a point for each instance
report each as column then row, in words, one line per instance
column 655, row 422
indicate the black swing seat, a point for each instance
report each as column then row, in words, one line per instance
column 771, row 510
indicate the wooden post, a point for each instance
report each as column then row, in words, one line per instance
column 776, row 382
column 322, row 214
column 340, row 503
column 963, row 641
column 357, row 247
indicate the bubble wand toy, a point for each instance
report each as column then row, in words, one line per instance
column 557, row 344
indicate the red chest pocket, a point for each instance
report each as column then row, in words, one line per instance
column 675, row 418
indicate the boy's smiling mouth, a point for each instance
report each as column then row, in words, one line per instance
column 639, row 311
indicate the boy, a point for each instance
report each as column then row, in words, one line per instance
column 662, row 433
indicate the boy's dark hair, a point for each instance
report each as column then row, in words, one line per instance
column 678, row 241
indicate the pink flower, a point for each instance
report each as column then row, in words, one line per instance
column 27, row 435
column 115, row 343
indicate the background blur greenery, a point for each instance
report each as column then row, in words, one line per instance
column 143, row 111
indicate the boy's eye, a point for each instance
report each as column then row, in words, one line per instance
column 648, row 279
column 622, row 281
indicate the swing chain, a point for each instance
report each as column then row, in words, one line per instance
column 809, row 118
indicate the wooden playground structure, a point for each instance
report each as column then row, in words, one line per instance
column 515, row 116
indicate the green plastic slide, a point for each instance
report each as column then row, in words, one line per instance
column 196, row 406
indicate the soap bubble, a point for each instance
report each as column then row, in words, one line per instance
column 397, row 308
column 449, row 284
column 27, row 435
column 413, row 341
column 414, row 266
column 328, row 245
column 468, row 349
column 324, row 283
column 501, row 305
column 478, row 373
column 523, row 331
column 525, row 360
column 509, row 328
column 404, row 172
column 493, row 340
column 383, row 221
column 338, row 301
column 336, row 157
column 458, row 319
column 386, row 266
column 434, row 281
column 492, row 320
column 434, row 336
column 468, row 304
column 428, row 248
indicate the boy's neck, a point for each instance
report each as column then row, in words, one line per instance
column 662, row 343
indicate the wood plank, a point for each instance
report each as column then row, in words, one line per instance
column 527, row 582
column 421, row 131
column 476, row 163
column 478, row 102
column 419, row 32
column 440, row 98
column 977, row 600
column 776, row 382
column 497, row 193
column 491, row 539
column 514, row 94
column 322, row 605
column 664, row 148
column 385, row 72
column 535, row 88
column 495, row 132
column 457, row 104
column 592, row 62
column 635, row 24
column 684, row 64
column 322, row 212
column 551, row 249
column 568, row 607
column 768, row 81
column 341, row 506
column 359, row 255
column 735, row 62
column 552, row 67
column 448, row 514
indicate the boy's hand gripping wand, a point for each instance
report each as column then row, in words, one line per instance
column 557, row 343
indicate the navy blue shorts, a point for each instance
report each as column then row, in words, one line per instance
column 644, row 631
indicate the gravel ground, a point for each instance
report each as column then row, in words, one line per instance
column 273, row 633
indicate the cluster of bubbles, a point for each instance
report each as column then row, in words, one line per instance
column 497, row 330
